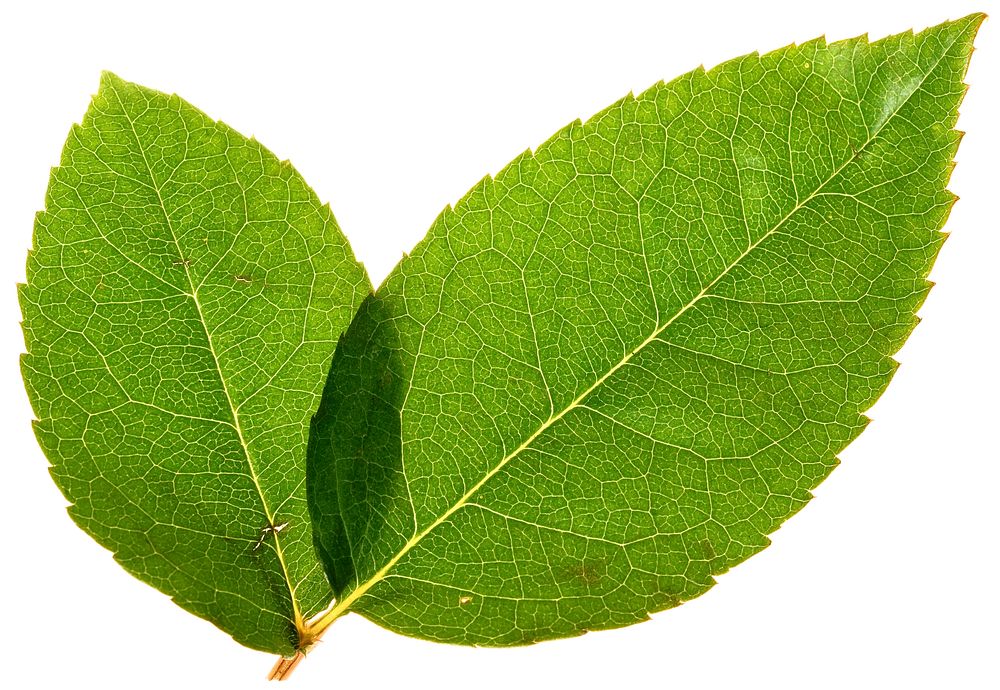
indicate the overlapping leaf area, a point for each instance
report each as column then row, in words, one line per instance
column 185, row 293
column 608, row 373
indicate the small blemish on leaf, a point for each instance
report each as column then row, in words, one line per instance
column 707, row 549
column 242, row 278
column 464, row 600
column 589, row 572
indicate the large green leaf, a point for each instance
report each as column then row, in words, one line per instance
column 184, row 295
column 608, row 373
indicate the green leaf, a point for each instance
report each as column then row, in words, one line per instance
column 608, row 373
column 185, row 293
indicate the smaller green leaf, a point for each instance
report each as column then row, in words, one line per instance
column 610, row 372
column 185, row 292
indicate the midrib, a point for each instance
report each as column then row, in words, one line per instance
column 298, row 619
column 322, row 620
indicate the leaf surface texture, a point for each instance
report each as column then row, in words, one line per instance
column 612, row 370
column 185, row 293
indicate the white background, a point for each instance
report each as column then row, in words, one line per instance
column 889, row 578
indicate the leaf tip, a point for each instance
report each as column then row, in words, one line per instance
column 110, row 81
column 974, row 21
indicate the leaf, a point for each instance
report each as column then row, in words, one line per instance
column 184, row 295
column 608, row 373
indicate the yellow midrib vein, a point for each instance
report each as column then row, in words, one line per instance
column 298, row 621
column 324, row 619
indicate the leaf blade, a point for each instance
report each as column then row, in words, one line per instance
column 464, row 355
column 184, row 292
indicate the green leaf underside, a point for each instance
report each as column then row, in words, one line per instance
column 608, row 373
column 185, row 293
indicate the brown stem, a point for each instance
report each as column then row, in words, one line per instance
column 283, row 669
column 309, row 634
